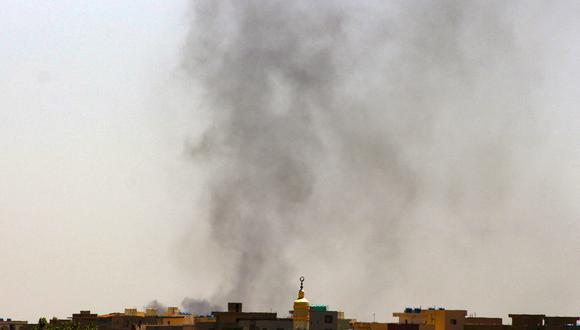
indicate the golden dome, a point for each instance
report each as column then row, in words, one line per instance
column 301, row 298
column 301, row 301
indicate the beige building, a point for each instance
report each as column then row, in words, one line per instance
column 133, row 319
column 368, row 325
column 438, row 319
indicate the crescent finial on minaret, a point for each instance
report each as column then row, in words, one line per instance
column 301, row 311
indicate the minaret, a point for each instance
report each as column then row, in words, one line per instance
column 301, row 314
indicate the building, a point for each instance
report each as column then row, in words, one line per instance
column 485, row 323
column 132, row 319
column 541, row 321
column 408, row 326
column 354, row 325
column 236, row 319
column 527, row 320
column 277, row 324
column 388, row 326
column 9, row 324
column 323, row 319
column 85, row 319
column 561, row 321
column 523, row 322
column 435, row 318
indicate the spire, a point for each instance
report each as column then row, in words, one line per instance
column 301, row 311
column 301, row 291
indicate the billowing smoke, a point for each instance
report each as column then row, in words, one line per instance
column 394, row 153
column 199, row 306
column 160, row 307
column 188, row 305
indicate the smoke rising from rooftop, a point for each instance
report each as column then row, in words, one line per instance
column 393, row 153
column 199, row 306
column 159, row 306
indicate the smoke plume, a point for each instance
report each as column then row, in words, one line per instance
column 188, row 305
column 401, row 152
column 160, row 307
column 199, row 306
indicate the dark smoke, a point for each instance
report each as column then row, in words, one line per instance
column 199, row 306
column 393, row 152
column 161, row 308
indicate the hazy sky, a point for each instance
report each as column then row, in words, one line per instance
column 101, row 201
column 86, row 213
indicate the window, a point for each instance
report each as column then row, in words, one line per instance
column 453, row 321
column 327, row 318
